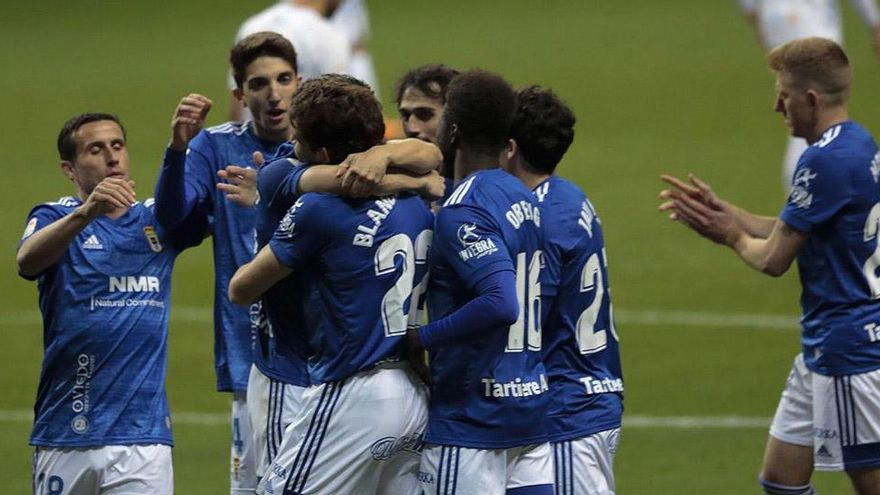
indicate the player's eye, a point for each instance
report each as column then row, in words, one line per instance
column 257, row 84
column 424, row 114
column 95, row 149
column 285, row 78
column 404, row 114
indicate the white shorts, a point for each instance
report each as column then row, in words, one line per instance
column 110, row 470
column 585, row 466
column 272, row 406
column 839, row 416
column 358, row 435
column 447, row 470
column 242, row 462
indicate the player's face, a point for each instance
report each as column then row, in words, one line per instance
column 267, row 91
column 446, row 142
column 420, row 115
column 100, row 153
column 793, row 103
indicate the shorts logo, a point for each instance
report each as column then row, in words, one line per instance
column 153, row 239
column 385, row 448
column 79, row 424
column 823, row 452
column 425, row 477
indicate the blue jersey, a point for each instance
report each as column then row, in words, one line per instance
column 105, row 330
column 489, row 389
column 836, row 199
column 233, row 229
column 281, row 350
column 581, row 350
column 366, row 262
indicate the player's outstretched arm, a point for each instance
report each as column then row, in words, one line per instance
column 430, row 186
column 772, row 255
column 255, row 278
column 755, row 225
column 45, row 247
column 239, row 184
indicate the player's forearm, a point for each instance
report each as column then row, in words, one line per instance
column 173, row 201
column 253, row 279
column 413, row 155
column 759, row 254
column 45, row 247
column 323, row 179
column 394, row 183
column 754, row 225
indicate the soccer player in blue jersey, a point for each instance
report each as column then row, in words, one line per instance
column 581, row 351
column 486, row 429
column 828, row 417
column 103, row 266
column 362, row 264
column 265, row 70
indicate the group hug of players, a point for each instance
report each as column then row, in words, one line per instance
column 354, row 238
column 329, row 244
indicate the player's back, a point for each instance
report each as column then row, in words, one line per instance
column 836, row 199
column 489, row 389
column 362, row 259
column 581, row 349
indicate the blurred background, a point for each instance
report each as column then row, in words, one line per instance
column 673, row 86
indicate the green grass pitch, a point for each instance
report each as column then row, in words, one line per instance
column 673, row 86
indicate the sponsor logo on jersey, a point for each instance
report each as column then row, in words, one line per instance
column 385, row 448
column 475, row 246
column 606, row 385
column 514, row 388
column 31, row 227
column 92, row 243
column 153, row 239
column 79, row 424
column 467, row 234
column 82, row 381
column 130, row 283
column 800, row 191
column 365, row 234
column 523, row 211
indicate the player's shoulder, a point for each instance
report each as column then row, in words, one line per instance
column 558, row 191
column 228, row 130
column 62, row 205
column 488, row 185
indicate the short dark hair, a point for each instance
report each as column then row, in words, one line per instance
column 432, row 80
column 339, row 113
column 262, row 44
column 67, row 136
column 481, row 104
column 543, row 127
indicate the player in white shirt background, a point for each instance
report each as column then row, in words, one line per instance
column 352, row 19
column 781, row 21
column 321, row 47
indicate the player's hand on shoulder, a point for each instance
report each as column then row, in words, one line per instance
column 362, row 172
column 239, row 184
column 110, row 194
column 189, row 119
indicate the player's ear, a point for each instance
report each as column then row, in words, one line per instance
column 512, row 149
column 323, row 155
column 812, row 98
column 67, row 168
column 239, row 94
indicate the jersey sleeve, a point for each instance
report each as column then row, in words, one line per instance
column 187, row 234
column 472, row 243
column 819, row 191
column 186, row 183
column 278, row 182
column 301, row 234
column 40, row 217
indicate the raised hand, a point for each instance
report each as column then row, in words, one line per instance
column 239, row 184
column 189, row 119
column 110, row 194
column 362, row 172
column 698, row 207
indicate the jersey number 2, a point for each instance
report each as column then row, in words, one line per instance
column 590, row 339
column 394, row 316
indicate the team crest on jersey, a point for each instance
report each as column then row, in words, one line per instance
column 31, row 227
column 800, row 191
column 153, row 239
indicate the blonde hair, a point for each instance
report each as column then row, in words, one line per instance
column 815, row 63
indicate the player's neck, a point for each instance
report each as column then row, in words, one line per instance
column 470, row 161
column 529, row 176
column 826, row 120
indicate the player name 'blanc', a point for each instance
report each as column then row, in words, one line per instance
column 366, row 233
column 514, row 388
